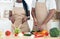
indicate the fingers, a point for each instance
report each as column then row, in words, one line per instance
column 35, row 23
column 12, row 19
column 42, row 27
column 24, row 20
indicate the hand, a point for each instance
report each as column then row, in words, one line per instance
column 42, row 27
column 12, row 19
column 24, row 19
column 35, row 22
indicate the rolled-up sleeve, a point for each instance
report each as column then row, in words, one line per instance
column 33, row 3
column 51, row 4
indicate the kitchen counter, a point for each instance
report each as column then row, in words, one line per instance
column 25, row 37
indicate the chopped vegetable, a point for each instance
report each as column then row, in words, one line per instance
column 45, row 32
column 17, row 31
column 39, row 35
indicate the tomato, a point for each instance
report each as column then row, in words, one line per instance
column 22, row 32
column 16, row 34
column 7, row 33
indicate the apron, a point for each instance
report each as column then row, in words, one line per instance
column 18, row 14
column 41, row 14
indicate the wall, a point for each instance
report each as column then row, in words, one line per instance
column 58, row 4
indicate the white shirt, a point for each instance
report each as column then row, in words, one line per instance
column 50, row 4
column 18, row 4
column 58, row 4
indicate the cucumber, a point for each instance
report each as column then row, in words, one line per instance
column 27, row 34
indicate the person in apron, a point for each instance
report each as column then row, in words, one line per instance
column 40, row 13
column 20, row 15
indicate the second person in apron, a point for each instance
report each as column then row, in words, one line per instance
column 20, row 15
column 42, row 12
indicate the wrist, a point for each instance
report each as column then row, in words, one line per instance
column 44, row 23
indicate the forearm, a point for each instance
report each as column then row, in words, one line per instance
column 50, row 15
column 11, row 17
column 10, row 14
column 33, row 13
